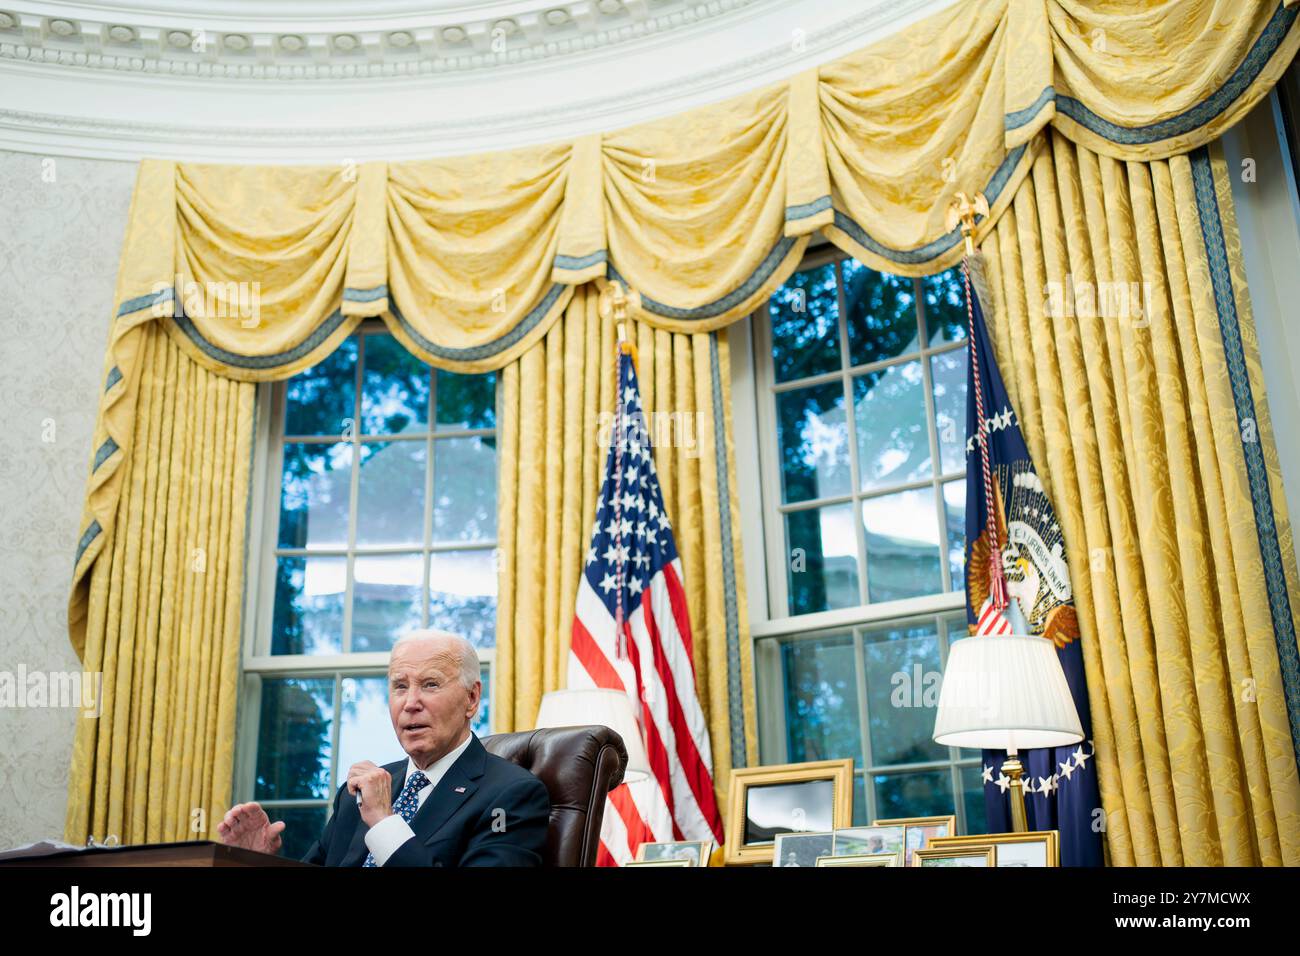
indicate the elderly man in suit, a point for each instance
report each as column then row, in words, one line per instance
column 450, row 803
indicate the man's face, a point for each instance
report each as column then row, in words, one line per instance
column 430, row 707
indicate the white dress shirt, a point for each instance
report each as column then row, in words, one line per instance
column 384, row 838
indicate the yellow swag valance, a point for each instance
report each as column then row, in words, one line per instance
column 259, row 272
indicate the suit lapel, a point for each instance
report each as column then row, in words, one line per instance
column 456, row 786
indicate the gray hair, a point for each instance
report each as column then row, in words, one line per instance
column 470, row 669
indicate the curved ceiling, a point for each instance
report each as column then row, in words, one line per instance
column 317, row 80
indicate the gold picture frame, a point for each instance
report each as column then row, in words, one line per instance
column 1050, row 838
column 862, row 859
column 935, row 856
column 788, row 848
column 700, row 851
column 911, row 825
column 746, row 843
column 686, row 864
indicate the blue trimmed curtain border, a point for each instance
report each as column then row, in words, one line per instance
column 1261, row 496
column 1262, row 50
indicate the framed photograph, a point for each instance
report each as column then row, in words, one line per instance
column 921, row 830
column 815, row 797
column 868, row 841
column 1035, row 848
column 801, row 849
column 865, row 859
column 685, row 863
column 969, row 855
column 696, row 851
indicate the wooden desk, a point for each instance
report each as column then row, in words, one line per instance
column 199, row 853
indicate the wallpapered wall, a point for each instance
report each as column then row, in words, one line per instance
column 60, row 239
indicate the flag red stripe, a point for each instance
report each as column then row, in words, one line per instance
column 654, row 744
column 682, row 617
column 589, row 654
column 603, row 857
column 697, row 775
column 637, row 831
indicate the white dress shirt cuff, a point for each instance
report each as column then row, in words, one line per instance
column 384, row 838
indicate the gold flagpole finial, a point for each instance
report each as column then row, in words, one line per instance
column 962, row 211
column 618, row 304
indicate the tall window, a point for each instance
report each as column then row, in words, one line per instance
column 860, row 407
column 380, row 517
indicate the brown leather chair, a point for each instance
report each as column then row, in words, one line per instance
column 579, row 766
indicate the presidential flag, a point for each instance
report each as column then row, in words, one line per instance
column 632, row 633
column 1015, row 552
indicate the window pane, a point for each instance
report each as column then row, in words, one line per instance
column 972, row 784
column 466, row 401
column 303, row 826
column 395, row 388
column 366, row 725
column 927, row 793
column 308, row 615
column 463, row 594
column 821, row 699
column 902, row 675
column 954, row 507
column 860, row 816
column 322, row 399
column 822, row 560
column 314, row 495
column 464, row 489
column 889, row 416
column 945, row 306
column 385, row 599
column 814, row 440
column 482, row 725
column 902, row 532
column 948, row 373
column 293, row 741
column 390, row 493
column 881, row 314
column 805, row 327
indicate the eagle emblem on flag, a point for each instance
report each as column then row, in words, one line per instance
column 1032, row 553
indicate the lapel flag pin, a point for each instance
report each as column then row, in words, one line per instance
column 460, row 789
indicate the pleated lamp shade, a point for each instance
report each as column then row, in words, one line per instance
column 1005, row 693
column 609, row 708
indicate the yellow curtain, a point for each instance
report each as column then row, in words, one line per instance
column 259, row 272
column 481, row 263
column 164, row 612
column 1124, row 332
column 557, row 404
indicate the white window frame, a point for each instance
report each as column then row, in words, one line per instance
column 762, row 531
column 261, row 549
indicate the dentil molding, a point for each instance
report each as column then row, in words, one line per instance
column 121, row 80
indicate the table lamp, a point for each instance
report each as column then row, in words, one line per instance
column 1006, row 693
column 611, row 708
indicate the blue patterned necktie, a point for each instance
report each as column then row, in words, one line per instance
column 406, row 805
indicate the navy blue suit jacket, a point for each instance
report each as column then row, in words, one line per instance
column 485, row 811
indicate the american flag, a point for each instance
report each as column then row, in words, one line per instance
column 632, row 632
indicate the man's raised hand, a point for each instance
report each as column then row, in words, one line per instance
column 246, row 825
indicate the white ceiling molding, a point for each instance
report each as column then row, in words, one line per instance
column 353, row 91
column 386, row 40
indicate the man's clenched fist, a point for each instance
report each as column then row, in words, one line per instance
column 375, row 784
